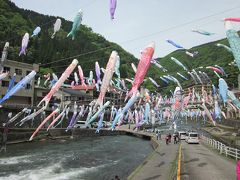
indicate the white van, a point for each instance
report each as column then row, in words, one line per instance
column 192, row 138
column 182, row 135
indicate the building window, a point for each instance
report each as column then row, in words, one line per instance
column 5, row 83
column 73, row 98
column 28, row 86
column 67, row 98
column 6, row 69
column 18, row 71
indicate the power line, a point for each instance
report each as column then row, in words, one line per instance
column 142, row 37
column 83, row 54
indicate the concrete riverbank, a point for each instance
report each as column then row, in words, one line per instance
column 18, row 135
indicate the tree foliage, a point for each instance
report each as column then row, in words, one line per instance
column 88, row 46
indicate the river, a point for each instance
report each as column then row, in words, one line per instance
column 87, row 158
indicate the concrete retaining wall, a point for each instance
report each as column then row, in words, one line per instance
column 154, row 143
column 83, row 132
column 21, row 134
column 231, row 123
column 18, row 135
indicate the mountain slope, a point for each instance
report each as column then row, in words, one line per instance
column 15, row 22
column 209, row 55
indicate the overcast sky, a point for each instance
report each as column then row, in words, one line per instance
column 138, row 22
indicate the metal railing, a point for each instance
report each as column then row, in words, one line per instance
column 222, row 148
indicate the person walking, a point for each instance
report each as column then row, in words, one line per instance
column 169, row 138
column 175, row 138
column 158, row 134
column 166, row 138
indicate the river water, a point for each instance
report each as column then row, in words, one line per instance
column 97, row 158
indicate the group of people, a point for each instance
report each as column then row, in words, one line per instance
column 176, row 138
column 168, row 137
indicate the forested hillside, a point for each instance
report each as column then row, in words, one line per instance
column 209, row 55
column 88, row 46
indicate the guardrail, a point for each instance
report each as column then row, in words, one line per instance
column 222, row 148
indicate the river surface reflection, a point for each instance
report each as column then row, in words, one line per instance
column 88, row 158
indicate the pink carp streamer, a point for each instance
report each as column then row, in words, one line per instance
column 208, row 113
column 107, row 78
column 59, row 83
column 81, row 75
column 142, row 68
column 217, row 70
column 42, row 124
column 57, row 118
column 233, row 19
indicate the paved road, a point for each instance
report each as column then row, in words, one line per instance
column 201, row 163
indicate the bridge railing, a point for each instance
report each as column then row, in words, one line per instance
column 222, row 148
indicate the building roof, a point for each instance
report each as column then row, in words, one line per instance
column 22, row 65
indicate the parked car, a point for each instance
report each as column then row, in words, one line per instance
column 192, row 138
column 182, row 135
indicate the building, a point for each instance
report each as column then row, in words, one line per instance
column 81, row 97
column 31, row 95
column 39, row 94
column 24, row 97
column 115, row 96
column 198, row 89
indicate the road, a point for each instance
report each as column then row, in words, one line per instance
column 202, row 163
column 198, row 163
